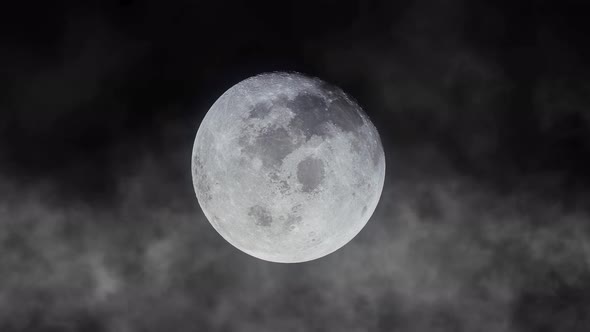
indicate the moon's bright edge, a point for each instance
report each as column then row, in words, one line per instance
column 287, row 168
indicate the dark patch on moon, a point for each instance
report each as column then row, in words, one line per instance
column 310, row 173
column 313, row 113
column 293, row 221
column 261, row 216
column 260, row 110
column 364, row 210
column 272, row 145
column 344, row 114
column 310, row 114
column 263, row 108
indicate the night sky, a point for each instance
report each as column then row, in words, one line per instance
column 483, row 108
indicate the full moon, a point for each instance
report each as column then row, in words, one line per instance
column 287, row 168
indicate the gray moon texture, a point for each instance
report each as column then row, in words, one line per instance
column 287, row 168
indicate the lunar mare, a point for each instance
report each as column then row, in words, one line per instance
column 287, row 168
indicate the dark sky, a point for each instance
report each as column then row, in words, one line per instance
column 483, row 110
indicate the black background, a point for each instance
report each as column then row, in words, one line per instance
column 482, row 107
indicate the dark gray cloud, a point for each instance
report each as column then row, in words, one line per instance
column 442, row 253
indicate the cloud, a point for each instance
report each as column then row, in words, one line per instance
column 440, row 254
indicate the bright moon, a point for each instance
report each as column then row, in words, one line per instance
column 287, row 168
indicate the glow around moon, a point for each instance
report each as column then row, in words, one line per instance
column 287, row 168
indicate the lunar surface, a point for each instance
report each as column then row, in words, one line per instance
column 287, row 168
